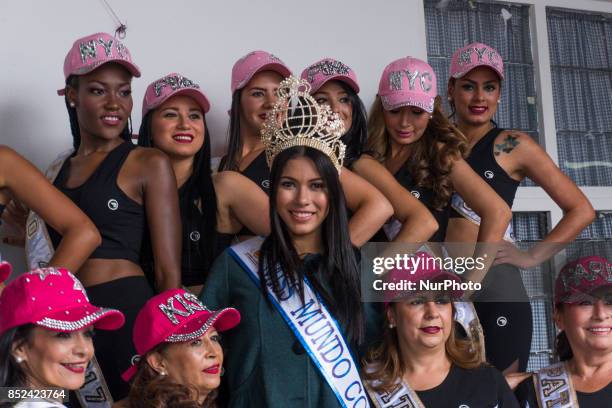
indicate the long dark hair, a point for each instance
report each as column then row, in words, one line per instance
column 73, row 82
column 11, row 373
column 339, row 265
column 234, row 141
column 356, row 137
column 199, row 187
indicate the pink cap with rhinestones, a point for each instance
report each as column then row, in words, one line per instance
column 53, row 298
column 89, row 53
column 254, row 62
column 426, row 269
column 408, row 81
column 175, row 316
column 328, row 69
column 475, row 55
column 171, row 85
column 5, row 270
column 582, row 276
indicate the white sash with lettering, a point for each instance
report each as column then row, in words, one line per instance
column 328, row 349
column 39, row 251
column 554, row 387
column 462, row 208
column 401, row 396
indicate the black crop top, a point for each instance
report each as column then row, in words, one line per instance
column 482, row 161
column 426, row 197
column 119, row 219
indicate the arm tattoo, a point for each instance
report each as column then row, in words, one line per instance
column 509, row 143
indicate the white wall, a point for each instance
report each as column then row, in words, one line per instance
column 201, row 39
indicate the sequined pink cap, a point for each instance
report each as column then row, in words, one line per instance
column 428, row 270
column 408, row 81
column 254, row 62
column 581, row 277
column 327, row 69
column 175, row 316
column 89, row 53
column 53, row 298
column 475, row 55
column 170, row 85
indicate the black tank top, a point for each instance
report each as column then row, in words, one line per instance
column 482, row 161
column 193, row 262
column 194, row 265
column 258, row 172
column 426, row 197
column 119, row 219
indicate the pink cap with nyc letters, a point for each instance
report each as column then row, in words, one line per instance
column 92, row 51
column 408, row 81
column 475, row 55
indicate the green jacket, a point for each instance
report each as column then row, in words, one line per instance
column 265, row 364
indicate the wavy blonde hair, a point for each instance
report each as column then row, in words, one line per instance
column 432, row 155
column 386, row 365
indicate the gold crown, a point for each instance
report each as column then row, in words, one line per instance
column 298, row 120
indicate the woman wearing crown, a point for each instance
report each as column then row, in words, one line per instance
column 255, row 79
column 297, row 290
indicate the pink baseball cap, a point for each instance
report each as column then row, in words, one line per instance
column 254, row 62
column 581, row 277
column 408, row 81
column 170, row 85
column 53, row 298
column 475, row 55
column 175, row 316
column 88, row 53
column 426, row 270
column 324, row 70
column 5, row 270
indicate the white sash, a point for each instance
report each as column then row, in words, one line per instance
column 554, row 388
column 38, row 247
column 401, row 396
column 462, row 208
column 313, row 326
column 39, row 251
column 466, row 316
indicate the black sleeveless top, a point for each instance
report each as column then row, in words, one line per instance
column 194, row 265
column 259, row 172
column 482, row 161
column 426, row 197
column 119, row 219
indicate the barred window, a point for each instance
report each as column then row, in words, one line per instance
column 581, row 69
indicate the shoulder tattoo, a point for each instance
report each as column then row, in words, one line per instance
column 508, row 144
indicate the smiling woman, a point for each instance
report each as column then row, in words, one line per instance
column 46, row 324
column 117, row 185
column 283, row 285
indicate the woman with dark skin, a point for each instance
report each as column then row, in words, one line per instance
column 255, row 79
column 174, row 122
column 504, row 158
column 21, row 181
column 119, row 186
column 335, row 84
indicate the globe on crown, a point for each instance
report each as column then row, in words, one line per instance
column 298, row 120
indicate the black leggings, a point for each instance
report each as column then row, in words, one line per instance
column 114, row 348
column 505, row 315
